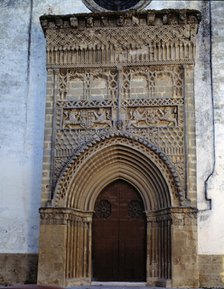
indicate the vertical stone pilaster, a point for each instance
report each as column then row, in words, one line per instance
column 48, row 137
column 184, row 247
column 190, row 135
column 52, row 256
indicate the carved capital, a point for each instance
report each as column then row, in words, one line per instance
column 62, row 216
column 183, row 216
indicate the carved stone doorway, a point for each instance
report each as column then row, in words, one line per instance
column 120, row 105
column 119, row 235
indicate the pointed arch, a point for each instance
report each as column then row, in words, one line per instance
column 113, row 157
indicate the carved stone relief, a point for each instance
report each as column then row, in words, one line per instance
column 120, row 102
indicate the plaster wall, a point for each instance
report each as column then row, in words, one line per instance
column 211, row 232
column 22, row 107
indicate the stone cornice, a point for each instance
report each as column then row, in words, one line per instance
column 119, row 19
column 127, row 38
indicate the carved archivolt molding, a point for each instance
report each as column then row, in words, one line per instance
column 88, row 161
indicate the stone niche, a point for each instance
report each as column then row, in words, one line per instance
column 120, row 105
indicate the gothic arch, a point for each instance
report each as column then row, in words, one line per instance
column 113, row 157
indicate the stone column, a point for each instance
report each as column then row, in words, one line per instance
column 158, row 248
column 151, row 262
column 79, row 249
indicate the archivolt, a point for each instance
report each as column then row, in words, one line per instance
column 118, row 157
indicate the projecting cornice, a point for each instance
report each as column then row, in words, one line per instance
column 148, row 37
column 119, row 19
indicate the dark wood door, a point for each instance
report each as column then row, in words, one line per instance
column 119, row 235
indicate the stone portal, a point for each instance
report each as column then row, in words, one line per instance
column 120, row 106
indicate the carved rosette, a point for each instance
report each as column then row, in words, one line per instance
column 135, row 209
column 103, row 209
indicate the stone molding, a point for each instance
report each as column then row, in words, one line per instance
column 153, row 34
column 178, row 215
column 106, row 140
column 61, row 216
column 100, row 20
column 79, row 160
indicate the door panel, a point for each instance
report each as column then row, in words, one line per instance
column 119, row 234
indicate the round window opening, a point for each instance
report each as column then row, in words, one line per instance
column 115, row 5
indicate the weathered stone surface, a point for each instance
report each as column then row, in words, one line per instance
column 211, row 271
column 18, row 268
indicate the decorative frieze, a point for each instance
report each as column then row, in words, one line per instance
column 63, row 216
column 159, row 37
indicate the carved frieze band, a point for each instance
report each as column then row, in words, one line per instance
column 177, row 216
column 137, row 117
column 144, row 37
column 61, row 216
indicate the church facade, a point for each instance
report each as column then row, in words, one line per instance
column 132, row 150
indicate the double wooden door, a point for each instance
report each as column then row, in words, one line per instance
column 119, row 235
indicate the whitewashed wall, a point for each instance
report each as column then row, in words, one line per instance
column 211, row 229
column 22, row 105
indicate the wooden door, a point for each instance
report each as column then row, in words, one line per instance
column 119, row 235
